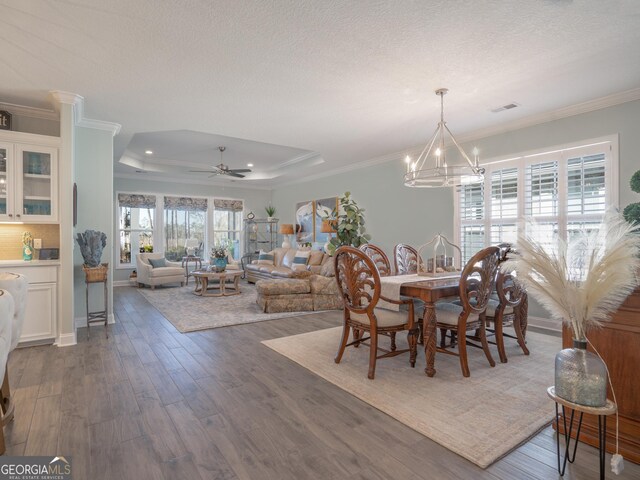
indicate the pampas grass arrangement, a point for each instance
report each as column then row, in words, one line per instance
column 586, row 279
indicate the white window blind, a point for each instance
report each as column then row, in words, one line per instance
column 565, row 190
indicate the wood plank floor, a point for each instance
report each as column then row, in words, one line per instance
column 153, row 403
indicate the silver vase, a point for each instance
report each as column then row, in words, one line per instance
column 580, row 376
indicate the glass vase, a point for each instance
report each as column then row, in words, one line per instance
column 581, row 376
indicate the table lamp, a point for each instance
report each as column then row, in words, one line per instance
column 286, row 229
column 328, row 226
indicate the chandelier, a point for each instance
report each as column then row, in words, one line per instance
column 431, row 169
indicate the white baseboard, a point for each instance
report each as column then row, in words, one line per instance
column 66, row 340
column 82, row 321
column 122, row 283
column 545, row 324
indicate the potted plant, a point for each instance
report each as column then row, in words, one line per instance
column 219, row 257
column 348, row 221
column 582, row 284
column 271, row 211
column 632, row 211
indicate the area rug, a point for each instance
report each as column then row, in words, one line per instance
column 188, row 312
column 481, row 418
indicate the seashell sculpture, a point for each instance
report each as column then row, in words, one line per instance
column 91, row 244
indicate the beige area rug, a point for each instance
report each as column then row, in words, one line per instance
column 481, row 418
column 189, row 312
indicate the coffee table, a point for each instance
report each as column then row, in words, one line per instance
column 225, row 282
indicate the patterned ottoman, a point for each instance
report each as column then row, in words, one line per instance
column 284, row 295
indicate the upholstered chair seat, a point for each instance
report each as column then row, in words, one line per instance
column 386, row 318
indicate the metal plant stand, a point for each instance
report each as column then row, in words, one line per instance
column 602, row 412
column 94, row 276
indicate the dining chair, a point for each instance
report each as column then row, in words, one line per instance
column 510, row 308
column 476, row 285
column 378, row 257
column 381, row 261
column 359, row 282
column 405, row 259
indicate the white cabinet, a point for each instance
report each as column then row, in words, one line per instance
column 28, row 183
column 41, row 311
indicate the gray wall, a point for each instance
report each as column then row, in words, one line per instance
column 94, row 180
column 254, row 200
column 396, row 213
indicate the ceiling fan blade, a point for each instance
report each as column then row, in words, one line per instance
column 203, row 171
column 231, row 173
column 214, row 174
column 240, row 170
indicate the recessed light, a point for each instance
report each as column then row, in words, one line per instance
column 249, row 164
column 148, row 152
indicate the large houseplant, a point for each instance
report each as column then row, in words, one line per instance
column 632, row 211
column 348, row 221
column 581, row 284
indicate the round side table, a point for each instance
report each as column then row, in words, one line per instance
column 602, row 412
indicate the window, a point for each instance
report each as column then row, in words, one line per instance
column 136, row 225
column 227, row 224
column 185, row 218
column 565, row 190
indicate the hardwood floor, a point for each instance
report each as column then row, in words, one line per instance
column 152, row 403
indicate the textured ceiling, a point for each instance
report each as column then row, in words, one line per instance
column 351, row 80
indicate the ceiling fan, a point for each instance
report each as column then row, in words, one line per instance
column 223, row 169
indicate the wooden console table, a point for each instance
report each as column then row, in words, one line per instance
column 619, row 344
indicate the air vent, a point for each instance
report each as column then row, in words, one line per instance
column 508, row 106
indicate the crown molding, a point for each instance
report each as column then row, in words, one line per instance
column 188, row 181
column 32, row 112
column 557, row 114
column 564, row 112
column 77, row 101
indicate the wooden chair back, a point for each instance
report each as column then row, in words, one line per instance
column 358, row 280
column 478, row 280
column 378, row 257
column 405, row 259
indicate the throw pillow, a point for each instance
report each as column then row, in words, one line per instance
column 265, row 258
column 300, row 260
column 328, row 268
column 158, row 262
column 316, row 257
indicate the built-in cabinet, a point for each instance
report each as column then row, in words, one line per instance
column 28, row 183
column 41, row 310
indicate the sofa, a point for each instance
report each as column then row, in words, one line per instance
column 313, row 293
column 172, row 272
column 282, row 265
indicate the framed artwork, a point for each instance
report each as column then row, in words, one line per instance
column 304, row 221
column 323, row 209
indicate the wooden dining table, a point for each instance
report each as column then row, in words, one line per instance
column 430, row 290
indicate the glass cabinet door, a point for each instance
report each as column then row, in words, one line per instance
column 6, row 182
column 37, row 192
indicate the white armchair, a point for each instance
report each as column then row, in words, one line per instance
column 173, row 272
column 6, row 319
